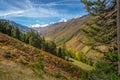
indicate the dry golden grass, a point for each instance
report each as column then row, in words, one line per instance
column 26, row 55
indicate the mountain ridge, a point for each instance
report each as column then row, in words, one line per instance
column 70, row 28
column 21, row 27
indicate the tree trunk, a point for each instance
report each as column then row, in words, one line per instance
column 118, row 32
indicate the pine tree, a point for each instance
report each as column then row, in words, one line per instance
column 97, row 7
column 15, row 32
column 60, row 52
column 31, row 40
column 105, row 10
column 118, row 32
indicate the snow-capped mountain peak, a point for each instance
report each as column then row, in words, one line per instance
column 45, row 25
column 38, row 25
column 63, row 20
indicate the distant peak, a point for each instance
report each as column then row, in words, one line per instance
column 77, row 17
column 38, row 25
column 63, row 20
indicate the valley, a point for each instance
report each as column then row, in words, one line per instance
column 70, row 34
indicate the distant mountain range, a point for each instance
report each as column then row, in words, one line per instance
column 60, row 30
column 46, row 25
column 38, row 25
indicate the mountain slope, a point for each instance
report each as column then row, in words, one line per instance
column 64, row 29
column 21, row 27
column 70, row 34
column 21, row 53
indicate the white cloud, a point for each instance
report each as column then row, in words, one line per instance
column 25, row 8
column 63, row 20
column 38, row 25
column 44, row 25
column 7, row 13
column 61, row 2
column 38, row 12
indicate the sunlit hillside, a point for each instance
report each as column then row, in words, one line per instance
column 18, row 55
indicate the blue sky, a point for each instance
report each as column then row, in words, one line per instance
column 30, row 12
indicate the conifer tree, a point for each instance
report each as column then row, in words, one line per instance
column 97, row 7
column 118, row 33
column 104, row 9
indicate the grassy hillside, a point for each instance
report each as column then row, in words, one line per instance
column 82, row 42
column 65, row 30
column 21, row 55
column 14, row 71
column 74, row 38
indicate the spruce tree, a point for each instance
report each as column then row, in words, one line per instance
column 97, row 7
column 104, row 9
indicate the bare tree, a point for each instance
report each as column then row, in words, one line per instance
column 118, row 32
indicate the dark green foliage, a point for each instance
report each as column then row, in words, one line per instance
column 38, row 66
column 15, row 32
column 81, row 57
column 50, row 47
column 60, row 52
column 7, row 55
column 96, row 28
column 112, row 57
column 64, row 39
column 6, row 28
column 64, row 52
column 60, row 76
column 103, row 71
column 103, row 31
column 97, row 7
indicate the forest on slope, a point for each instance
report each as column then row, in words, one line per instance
column 19, row 56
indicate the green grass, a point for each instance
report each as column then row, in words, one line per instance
column 82, row 65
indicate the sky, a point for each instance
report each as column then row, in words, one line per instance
column 32, row 12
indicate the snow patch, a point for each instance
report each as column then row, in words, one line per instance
column 39, row 25
column 63, row 20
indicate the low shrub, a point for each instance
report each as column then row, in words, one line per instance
column 7, row 55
